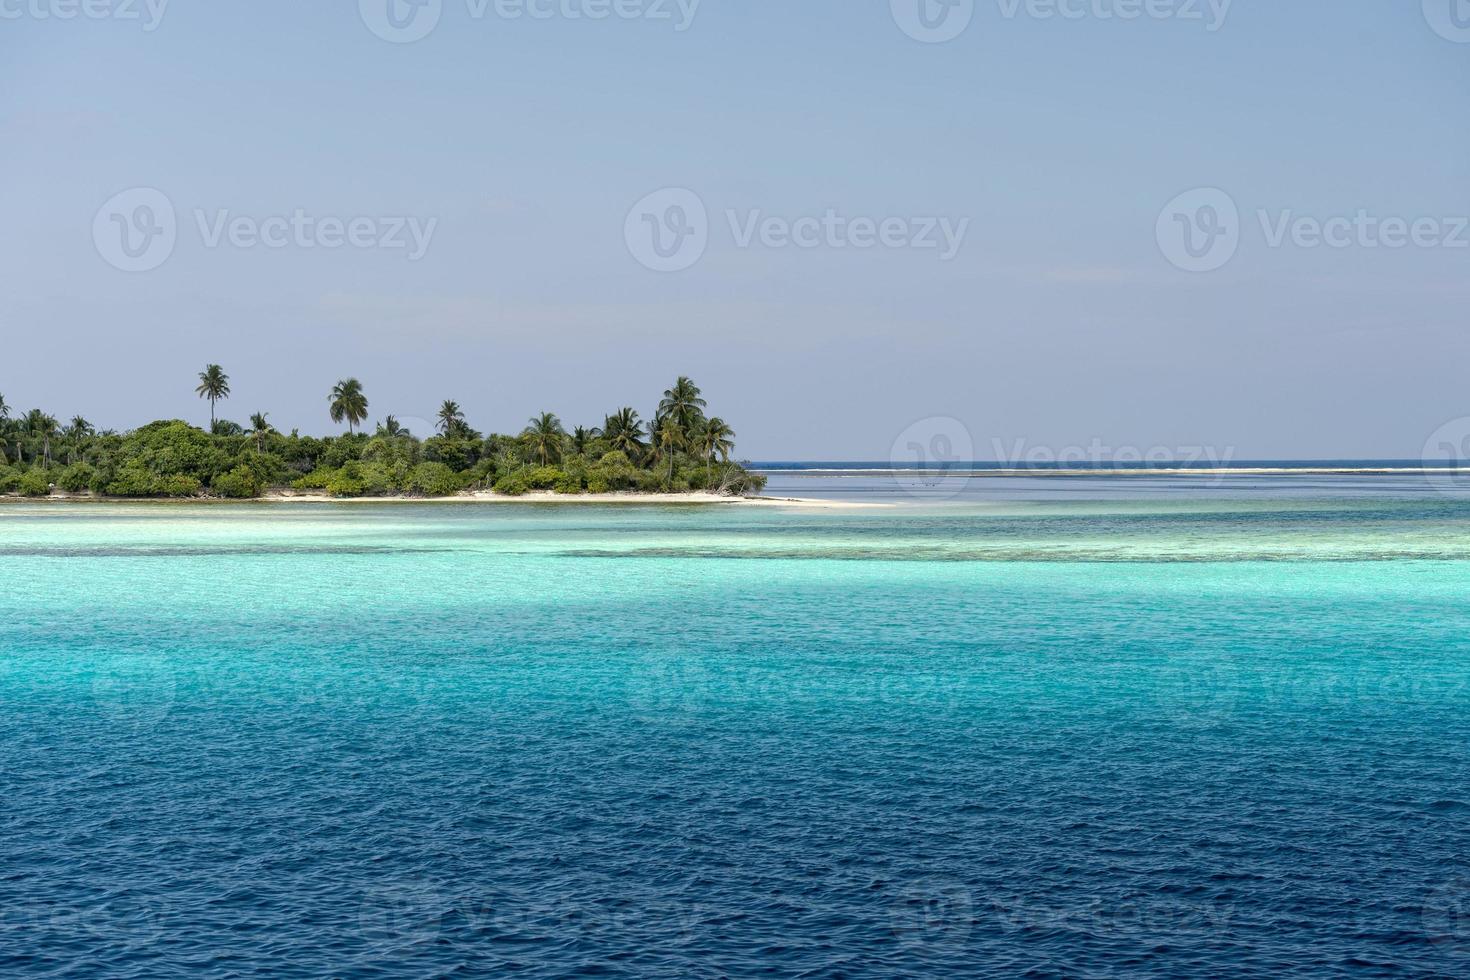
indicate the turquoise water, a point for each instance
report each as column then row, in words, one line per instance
column 1127, row 735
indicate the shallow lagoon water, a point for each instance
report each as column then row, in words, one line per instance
column 1089, row 734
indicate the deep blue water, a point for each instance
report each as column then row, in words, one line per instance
column 1200, row 736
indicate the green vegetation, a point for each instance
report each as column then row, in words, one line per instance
column 680, row 449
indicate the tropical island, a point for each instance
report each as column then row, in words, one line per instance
column 680, row 450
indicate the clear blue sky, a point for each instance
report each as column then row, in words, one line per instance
column 1059, row 321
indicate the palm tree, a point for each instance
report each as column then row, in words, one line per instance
column 545, row 434
column 6, row 429
column 683, row 404
column 451, row 419
column 581, row 437
column 76, row 431
column 41, row 426
column 669, row 437
column 261, row 428
column 624, row 432
column 716, row 437
column 214, row 384
column 348, row 403
column 392, row 428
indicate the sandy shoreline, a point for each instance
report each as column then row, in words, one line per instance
column 548, row 497
column 481, row 497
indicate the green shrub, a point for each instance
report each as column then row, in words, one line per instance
column 597, row 483
column 457, row 454
column 482, row 474
column 352, row 479
column 513, row 484
column 433, row 480
column 268, row 469
column 171, row 448
column 340, row 451
column 178, row 485
column 34, row 483
column 9, row 479
column 76, row 478
column 344, row 484
column 316, row 479
column 392, row 451
column 542, row 477
column 131, row 481
column 238, row 484
column 568, row 483
column 736, row 481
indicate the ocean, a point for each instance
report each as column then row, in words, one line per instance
column 1143, row 726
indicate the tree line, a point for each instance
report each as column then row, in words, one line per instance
column 679, row 448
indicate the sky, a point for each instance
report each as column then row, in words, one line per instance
column 1005, row 227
